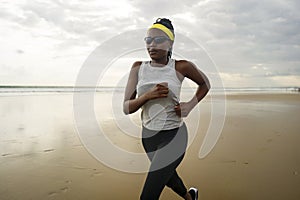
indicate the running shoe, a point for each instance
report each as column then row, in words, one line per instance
column 194, row 193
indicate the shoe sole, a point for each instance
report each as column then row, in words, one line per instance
column 196, row 192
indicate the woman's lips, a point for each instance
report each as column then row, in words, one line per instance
column 151, row 52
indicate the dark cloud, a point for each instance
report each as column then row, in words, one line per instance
column 240, row 34
column 19, row 51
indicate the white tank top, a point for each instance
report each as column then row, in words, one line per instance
column 159, row 114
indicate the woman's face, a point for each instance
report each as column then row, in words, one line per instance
column 157, row 48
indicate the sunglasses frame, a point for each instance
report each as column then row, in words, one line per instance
column 157, row 39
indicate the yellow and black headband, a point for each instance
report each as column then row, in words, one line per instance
column 164, row 29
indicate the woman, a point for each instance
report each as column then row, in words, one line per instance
column 154, row 86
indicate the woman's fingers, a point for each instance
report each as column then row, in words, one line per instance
column 162, row 90
column 177, row 110
column 163, row 84
column 182, row 109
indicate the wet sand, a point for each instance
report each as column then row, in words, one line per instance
column 256, row 157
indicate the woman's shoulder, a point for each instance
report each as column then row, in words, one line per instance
column 182, row 62
column 182, row 66
column 135, row 68
column 137, row 64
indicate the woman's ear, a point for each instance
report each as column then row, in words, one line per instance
column 171, row 44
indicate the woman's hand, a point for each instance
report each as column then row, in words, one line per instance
column 160, row 90
column 183, row 109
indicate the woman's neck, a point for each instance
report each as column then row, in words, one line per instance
column 159, row 62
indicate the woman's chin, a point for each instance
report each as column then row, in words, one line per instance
column 154, row 56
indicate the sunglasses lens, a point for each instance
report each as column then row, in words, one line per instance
column 159, row 40
column 148, row 40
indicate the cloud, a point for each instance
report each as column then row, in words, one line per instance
column 264, row 30
column 257, row 38
column 19, row 51
column 240, row 34
column 85, row 21
column 286, row 81
column 161, row 8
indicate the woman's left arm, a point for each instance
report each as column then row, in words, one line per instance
column 189, row 70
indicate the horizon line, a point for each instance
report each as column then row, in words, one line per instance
column 111, row 86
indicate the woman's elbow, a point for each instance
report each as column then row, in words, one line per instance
column 125, row 109
column 126, row 112
column 207, row 85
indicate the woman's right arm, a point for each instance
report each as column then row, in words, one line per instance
column 132, row 103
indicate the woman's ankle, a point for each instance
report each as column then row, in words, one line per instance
column 188, row 196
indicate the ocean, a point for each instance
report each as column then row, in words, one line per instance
column 34, row 90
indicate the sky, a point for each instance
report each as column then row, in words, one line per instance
column 252, row 43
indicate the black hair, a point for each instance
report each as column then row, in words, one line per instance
column 167, row 23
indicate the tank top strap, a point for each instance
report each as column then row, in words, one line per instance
column 172, row 66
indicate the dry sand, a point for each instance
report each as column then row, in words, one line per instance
column 257, row 156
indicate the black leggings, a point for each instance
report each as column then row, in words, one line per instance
column 165, row 150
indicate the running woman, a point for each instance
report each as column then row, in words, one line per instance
column 154, row 86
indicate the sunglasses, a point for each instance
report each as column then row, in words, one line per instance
column 157, row 40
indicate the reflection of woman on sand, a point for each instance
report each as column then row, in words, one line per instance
column 157, row 84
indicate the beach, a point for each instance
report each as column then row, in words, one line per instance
column 42, row 156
